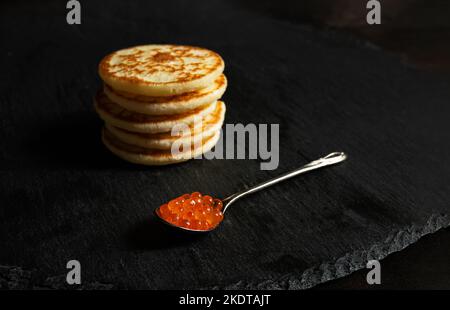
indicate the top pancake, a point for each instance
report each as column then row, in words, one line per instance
column 161, row 70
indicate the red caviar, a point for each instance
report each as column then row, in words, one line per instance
column 193, row 211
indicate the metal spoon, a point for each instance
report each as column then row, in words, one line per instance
column 328, row 160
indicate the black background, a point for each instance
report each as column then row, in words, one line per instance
column 65, row 197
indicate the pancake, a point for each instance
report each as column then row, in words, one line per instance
column 115, row 115
column 209, row 125
column 170, row 104
column 151, row 157
column 161, row 70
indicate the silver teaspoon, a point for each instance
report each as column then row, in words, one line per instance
column 328, row 160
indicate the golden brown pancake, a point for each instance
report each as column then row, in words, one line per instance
column 161, row 70
column 117, row 116
column 154, row 157
column 208, row 126
column 170, row 104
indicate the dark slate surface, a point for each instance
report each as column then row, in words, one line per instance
column 63, row 196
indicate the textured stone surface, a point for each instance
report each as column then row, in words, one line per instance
column 63, row 196
column 16, row 278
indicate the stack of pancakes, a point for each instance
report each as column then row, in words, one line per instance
column 157, row 95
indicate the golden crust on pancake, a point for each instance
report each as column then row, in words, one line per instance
column 161, row 70
column 197, row 131
column 169, row 104
column 153, row 157
column 115, row 115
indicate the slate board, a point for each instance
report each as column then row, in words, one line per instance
column 63, row 196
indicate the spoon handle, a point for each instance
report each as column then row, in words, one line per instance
column 328, row 160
